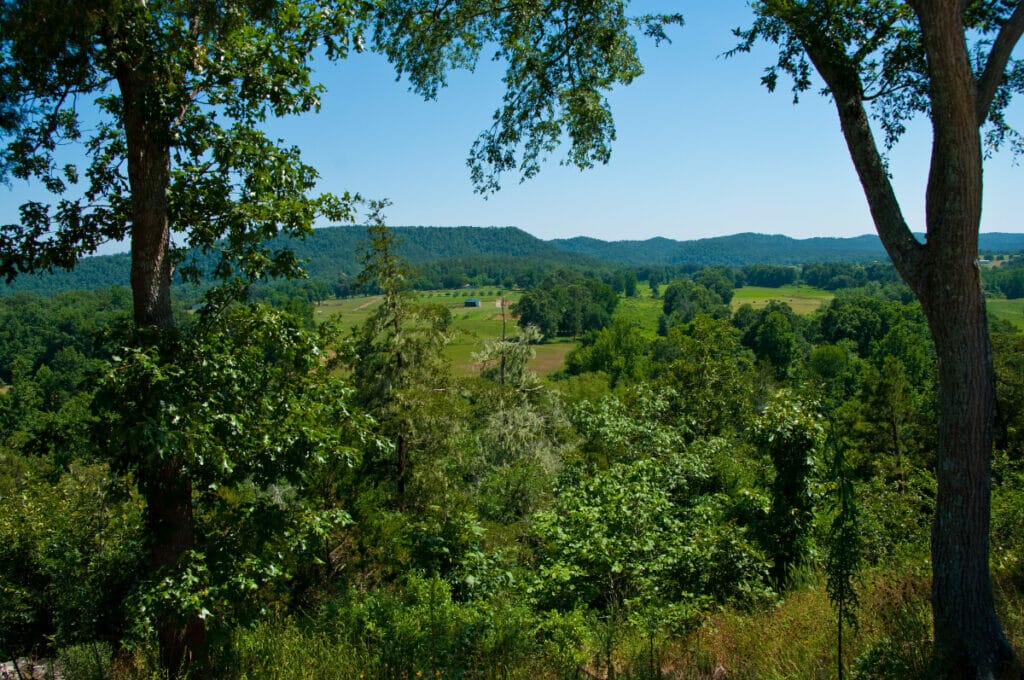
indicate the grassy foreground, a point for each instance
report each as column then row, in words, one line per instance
column 427, row 635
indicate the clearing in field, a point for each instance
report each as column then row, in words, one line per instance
column 551, row 357
column 803, row 299
column 644, row 311
column 1011, row 311
column 641, row 312
column 471, row 326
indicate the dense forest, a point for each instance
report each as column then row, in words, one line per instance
column 689, row 475
column 204, row 475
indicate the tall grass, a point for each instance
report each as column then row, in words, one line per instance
column 422, row 633
column 797, row 639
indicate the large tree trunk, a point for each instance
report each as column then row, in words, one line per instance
column 149, row 177
column 167, row 490
column 169, row 525
column 969, row 641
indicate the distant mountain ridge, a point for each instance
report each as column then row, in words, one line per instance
column 333, row 251
column 735, row 250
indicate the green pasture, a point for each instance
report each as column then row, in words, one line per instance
column 1007, row 310
column 471, row 326
column 641, row 311
column 803, row 299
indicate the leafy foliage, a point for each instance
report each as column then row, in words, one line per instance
column 249, row 410
column 567, row 305
column 556, row 76
column 224, row 74
column 651, row 530
column 791, row 435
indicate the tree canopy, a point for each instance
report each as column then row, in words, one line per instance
column 168, row 100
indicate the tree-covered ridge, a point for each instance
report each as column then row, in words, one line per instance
column 437, row 252
column 752, row 248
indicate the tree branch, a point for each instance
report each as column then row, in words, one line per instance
column 995, row 68
column 199, row 51
column 841, row 76
column 872, row 44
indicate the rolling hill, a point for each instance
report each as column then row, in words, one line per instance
column 333, row 251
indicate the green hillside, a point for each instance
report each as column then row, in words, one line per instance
column 333, row 251
column 750, row 248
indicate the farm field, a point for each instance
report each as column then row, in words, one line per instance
column 471, row 326
column 1007, row 310
column 803, row 299
column 643, row 311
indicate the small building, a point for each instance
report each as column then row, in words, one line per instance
column 472, row 302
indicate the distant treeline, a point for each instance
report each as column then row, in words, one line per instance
column 516, row 274
column 1006, row 280
column 451, row 257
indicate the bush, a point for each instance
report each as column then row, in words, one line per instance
column 86, row 661
column 905, row 651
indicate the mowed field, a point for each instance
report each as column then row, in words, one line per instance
column 471, row 326
column 803, row 299
column 1007, row 310
column 643, row 311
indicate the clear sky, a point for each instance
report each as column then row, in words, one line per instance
column 702, row 150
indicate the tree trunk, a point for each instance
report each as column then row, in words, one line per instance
column 168, row 491
column 969, row 640
column 149, row 177
column 943, row 273
column 169, row 525
column 402, row 468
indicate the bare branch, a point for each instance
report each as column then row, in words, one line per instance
column 995, row 68
column 871, row 96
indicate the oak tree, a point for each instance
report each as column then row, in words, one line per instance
column 166, row 100
column 883, row 62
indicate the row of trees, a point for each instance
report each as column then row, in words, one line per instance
column 567, row 305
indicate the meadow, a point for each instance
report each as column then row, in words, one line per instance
column 1011, row 311
column 471, row 326
column 803, row 299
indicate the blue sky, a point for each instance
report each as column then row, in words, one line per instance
column 702, row 150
